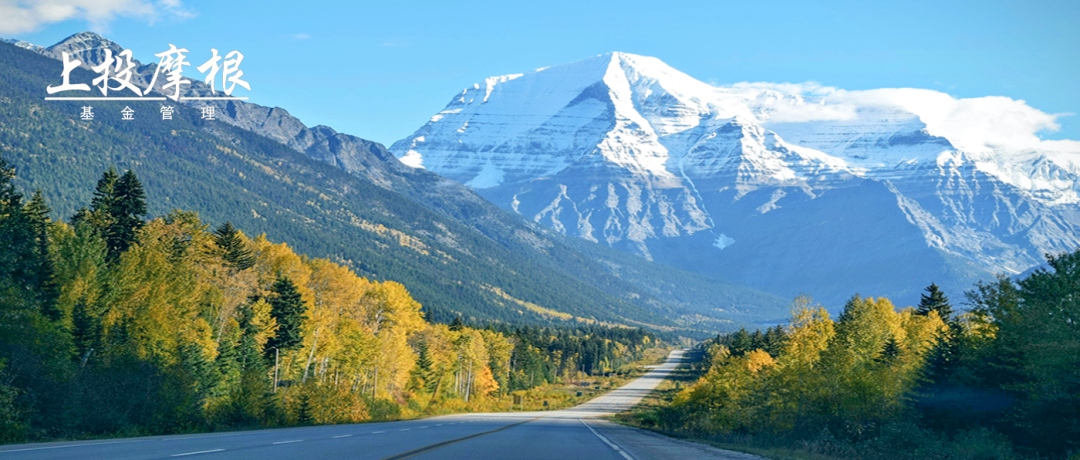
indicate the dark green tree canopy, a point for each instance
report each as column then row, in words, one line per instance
column 935, row 300
column 117, row 210
column 235, row 251
column 287, row 307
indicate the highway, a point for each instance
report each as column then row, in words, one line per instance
column 575, row 433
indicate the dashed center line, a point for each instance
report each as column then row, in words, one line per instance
column 287, row 442
column 197, row 453
column 342, row 436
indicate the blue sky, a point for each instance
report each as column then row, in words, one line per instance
column 380, row 70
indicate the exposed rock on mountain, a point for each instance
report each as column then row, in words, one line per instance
column 779, row 190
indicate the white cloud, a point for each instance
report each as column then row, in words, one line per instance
column 973, row 124
column 19, row 16
column 970, row 123
column 300, row 36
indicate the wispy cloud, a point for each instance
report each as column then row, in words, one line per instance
column 973, row 124
column 395, row 43
column 19, row 16
column 300, row 36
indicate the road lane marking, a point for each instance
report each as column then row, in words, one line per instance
column 342, row 436
column 197, row 453
column 613, row 445
column 71, row 445
column 415, row 452
column 286, row 442
column 204, row 436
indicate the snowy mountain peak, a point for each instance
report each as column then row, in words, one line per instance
column 625, row 150
column 87, row 47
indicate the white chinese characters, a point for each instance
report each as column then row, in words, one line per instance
column 122, row 75
column 69, row 65
column 115, row 74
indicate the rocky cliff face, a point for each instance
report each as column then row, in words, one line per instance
column 739, row 182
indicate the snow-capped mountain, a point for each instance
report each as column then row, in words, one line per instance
column 779, row 186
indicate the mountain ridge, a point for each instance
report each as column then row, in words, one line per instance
column 372, row 162
column 627, row 151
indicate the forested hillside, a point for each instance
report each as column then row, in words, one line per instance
column 114, row 324
column 265, row 187
column 458, row 259
column 1000, row 380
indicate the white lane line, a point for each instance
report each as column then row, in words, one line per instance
column 377, row 432
column 286, row 442
column 342, row 436
column 197, row 453
column 71, row 445
column 613, row 446
column 201, row 437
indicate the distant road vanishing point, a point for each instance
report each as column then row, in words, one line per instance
column 575, row 433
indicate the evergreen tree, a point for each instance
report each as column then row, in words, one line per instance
column 890, row 352
column 129, row 211
column 18, row 252
column 303, row 416
column 942, row 359
column 105, row 192
column 234, row 250
column 774, row 340
column 457, row 324
column 287, row 308
column 86, row 330
column 740, row 343
column 47, row 290
column 118, row 207
column 424, row 367
column 935, row 300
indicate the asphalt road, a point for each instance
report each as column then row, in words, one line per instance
column 574, row 433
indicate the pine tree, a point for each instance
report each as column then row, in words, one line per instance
column 287, row 308
column 234, row 251
column 86, row 330
column 303, row 416
column 890, row 352
column 741, row 342
column 424, row 367
column 118, row 208
column 18, row 251
column 105, row 192
column 47, row 290
column 457, row 324
column 935, row 300
column 774, row 340
column 128, row 211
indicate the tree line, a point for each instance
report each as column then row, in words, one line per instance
column 999, row 380
column 112, row 323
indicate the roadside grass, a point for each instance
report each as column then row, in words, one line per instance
column 558, row 396
column 644, row 416
column 900, row 440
